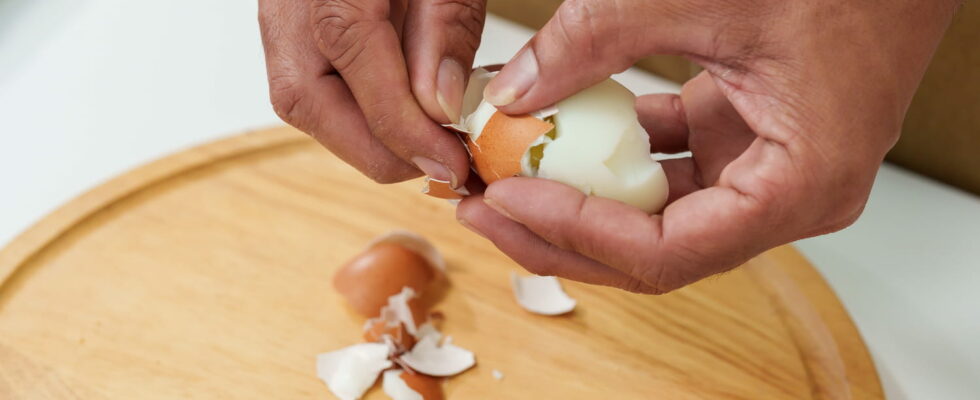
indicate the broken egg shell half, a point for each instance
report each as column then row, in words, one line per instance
column 541, row 294
column 499, row 151
column 384, row 268
column 403, row 385
column 351, row 371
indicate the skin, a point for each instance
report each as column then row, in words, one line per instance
column 363, row 78
column 798, row 103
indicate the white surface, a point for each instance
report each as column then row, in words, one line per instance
column 91, row 88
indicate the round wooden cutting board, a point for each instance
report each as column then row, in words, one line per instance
column 208, row 275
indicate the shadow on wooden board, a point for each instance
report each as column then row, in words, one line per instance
column 941, row 137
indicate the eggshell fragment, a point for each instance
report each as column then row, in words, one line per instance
column 402, row 309
column 541, row 294
column 431, row 358
column 503, row 142
column 402, row 385
column 389, row 264
column 376, row 331
column 497, row 374
column 443, row 190
column 351, row 371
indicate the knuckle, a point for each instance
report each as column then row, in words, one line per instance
column 341, row 27
column 592, row 27
column 843, row 215
column 285, row 95
column 466, row 14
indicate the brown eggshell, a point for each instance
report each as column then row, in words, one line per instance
column 380, row 272
column 430, row 388
column 498, row 151
column 443, row 190
column 376, row 330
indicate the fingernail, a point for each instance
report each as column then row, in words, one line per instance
column 435, row 170
column 449, row 88
column 514, row 80
column 679, row 108
column 496, row 207
column 470, row 227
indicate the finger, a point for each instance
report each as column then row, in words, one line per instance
column 721, row 133
column 306, row 95
column 585, row 42
column 441, row 38
column 703, row 233
column 360, row 41
column 662, row 115
column 683, row 177
column 535, row 254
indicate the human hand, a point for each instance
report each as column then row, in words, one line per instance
column 371, row 80
column 798, row 104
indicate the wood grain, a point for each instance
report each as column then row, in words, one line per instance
column 207, row 275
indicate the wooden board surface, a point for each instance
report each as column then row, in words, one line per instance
column 207, row 275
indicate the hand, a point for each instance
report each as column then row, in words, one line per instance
column 338, row 72
column 798, row 104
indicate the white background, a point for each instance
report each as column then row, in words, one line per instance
column 92, row 88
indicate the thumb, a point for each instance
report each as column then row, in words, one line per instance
column 584, row 43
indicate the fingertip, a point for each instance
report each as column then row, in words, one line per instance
column 468, row 207
column 514, row 80
column 504, row 190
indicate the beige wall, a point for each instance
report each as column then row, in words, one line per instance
column 941, row 138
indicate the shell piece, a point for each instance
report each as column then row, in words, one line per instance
column 402, row 385
column 497, row 374
column 541, row 294
column 545, row 112
column 443, row 190
column 402, row 309
column 377, row 329
column 500, row 148
column 431, row 358
column 351, row 371
column 472, row 99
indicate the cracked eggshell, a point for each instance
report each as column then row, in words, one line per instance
column 601, row 149
column 390, row 263
column 431, row 358
column 541, row 294
column 403, row 385
column 376, row 330
column 599, row 146
column 415, row 242
column 443, row 190
column 351, row 371
column 499, row 150
column 402, row 311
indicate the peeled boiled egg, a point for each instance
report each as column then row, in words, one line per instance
column 591, row 141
